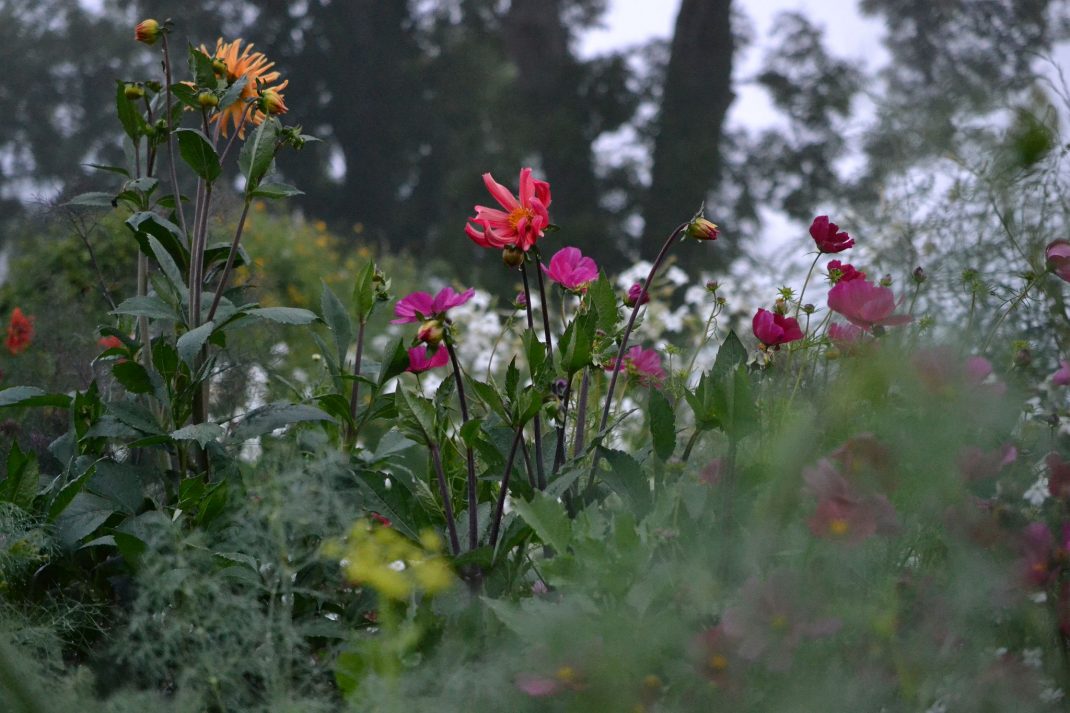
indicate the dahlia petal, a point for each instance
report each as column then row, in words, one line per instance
column 500, row 193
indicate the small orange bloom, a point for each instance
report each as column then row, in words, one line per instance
column 260, row 80
column 19, row 332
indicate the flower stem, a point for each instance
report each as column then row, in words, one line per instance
column 540, row 474
column 1013, row 306
column 447, row 506
column 544, row 307
column 171, row 139
column 802, row 292
column 499, row 508
column 230, row 261
column 581, row 414
column 691, row 444
column 473, row 519
column 624, row 340
column 559, row 454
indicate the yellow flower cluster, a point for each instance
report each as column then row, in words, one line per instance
column 396, row 567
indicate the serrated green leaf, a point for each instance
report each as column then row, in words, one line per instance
column 19, row 487
column 547, row 518
column 82, row 517
column 731, row 353
column 94, row 199
column 233, row 92
column 147, row 306
column 364, row 292
column 604, row 299
column 626, row 478
column 203, row 433
column 258, row 153
column 337, row 319
column 200, row 66
column 28, row 396
column 276, row 415
column 133, row 377
column 283, row 315
column 133, row 123
column 134, row 415
column 274, row 191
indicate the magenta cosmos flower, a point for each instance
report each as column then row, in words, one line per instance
column 522, row 220
column 865, row 305
column 772, row 329
column 843, row 272
column 828, row 237
column 420, row 362
column 1058, row 256
column 645, row 364
column 570, row 269
column 420, row 306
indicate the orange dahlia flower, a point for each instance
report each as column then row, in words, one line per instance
column 255, row 67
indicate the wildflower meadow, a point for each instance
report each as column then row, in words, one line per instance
column 292, row 473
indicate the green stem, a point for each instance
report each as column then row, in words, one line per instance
column 447, row 505
column 230, row 261
column 499, row 508
column 179, row 210
column 802, row 292
column 473, row 516
column 1013, row 306
column 539, row 471
column 354, row 396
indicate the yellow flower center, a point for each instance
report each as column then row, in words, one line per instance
column 718, row 662
column 779, row 622
column 518, row 214
column 838, row 527
column 566, row 674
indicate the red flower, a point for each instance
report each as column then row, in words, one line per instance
column 570, row 269
column 420, row 362
column 865, row 305
column 643, row 363
column 843, row 272
column 828, row 237
column 773, row 329
column 421, row 306
column 1058, row 256
column 19, row 332
column 523, row 220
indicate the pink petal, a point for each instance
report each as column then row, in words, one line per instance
column 501, row 194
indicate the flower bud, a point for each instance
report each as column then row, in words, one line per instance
column 558, row 387
column 702, row 229
column 133, row 91
column 636, row 294
column 147, row 31
column 521, row 301
column 919, row 275
column 808, row 308
column 431, row 332
column 219, row 67
column 780, row 306
column 207, row 99
column 712, row 286
column 271, row 103
column 513, row 256
column 1023, row 358
column 886, row 281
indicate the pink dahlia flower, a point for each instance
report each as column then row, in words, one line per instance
column 570, row 269
column 420, row 362
column 643, row 363
column 521, row 222
column 421, row 306
column 865, row 305
column 828, row 237
column 773, row 329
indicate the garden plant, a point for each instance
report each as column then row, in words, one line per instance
column 861, row 501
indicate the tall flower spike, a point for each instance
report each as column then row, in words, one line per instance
column 521, row 222
column 261, row 83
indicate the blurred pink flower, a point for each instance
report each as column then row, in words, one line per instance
column 642, row 363
column 844, row 336
column 769, row 623
column 977, row 464
column 773, row 329
column 420, row 306
column 570, row 269
column 420, row 362
column 865, row 305
column 1062, row 376
column 1037, row 546
column 843, row 272
column 1058, row 256
column 521, row 222
column 842, row 513
column 1058, row 476
column 828, row 237
column 538, row 686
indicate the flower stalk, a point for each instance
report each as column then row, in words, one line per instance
column 540, row 475
column 473, row 519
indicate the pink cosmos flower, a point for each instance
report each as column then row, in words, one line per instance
column 865, row 305
column 1058, row 256
column 844, row 335
column 1062, row 376
column 521, row 222
column 773, row 329
column 420, row 362
column 645, row 364
column 828, row 237
column 636, row 294
column 570, row 269
column 843, row 272
column 421, row 306
column 842, row 513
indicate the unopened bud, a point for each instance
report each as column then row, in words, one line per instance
column 271, row 103
column 513, row 256
column 147, row 31
column 886, row 281
column 636, row 295
column 219, row 67
column 207, row 99
column 919, row 275
column 808, row 308
column 780, row 306
column 558, row 387
column 702, row 229
column 133, row 91
column 521, row 301
column 431, row 332
column 1023, row 358
column 712, row 286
